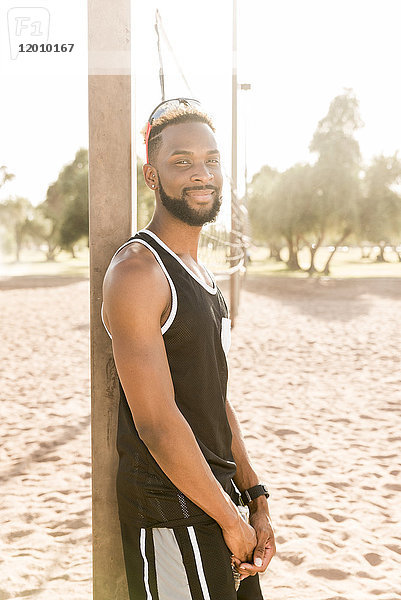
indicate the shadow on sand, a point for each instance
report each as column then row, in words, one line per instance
column 18, row 282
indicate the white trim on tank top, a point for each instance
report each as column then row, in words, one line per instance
column 209, row 288
column 174, row 301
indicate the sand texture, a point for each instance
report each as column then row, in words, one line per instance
column 315, row 377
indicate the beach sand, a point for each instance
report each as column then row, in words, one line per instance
column 315, row 377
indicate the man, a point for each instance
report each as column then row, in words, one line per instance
column 179, row 441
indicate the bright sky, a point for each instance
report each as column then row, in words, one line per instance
column 296, row 54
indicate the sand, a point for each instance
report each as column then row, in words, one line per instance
column 315, row 377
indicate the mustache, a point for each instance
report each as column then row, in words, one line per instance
column 201, row 187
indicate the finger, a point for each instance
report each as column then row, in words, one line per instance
column 248, row 568
column 237, row 562
column 269, row 553
column 238, row 566
column 252, row 569
column 259, row 551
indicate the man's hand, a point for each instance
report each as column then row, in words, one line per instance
column 264, row 549
column 241, row 540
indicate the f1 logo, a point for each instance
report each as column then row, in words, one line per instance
column 27, row 24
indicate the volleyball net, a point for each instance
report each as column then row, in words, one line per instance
column 224, row 243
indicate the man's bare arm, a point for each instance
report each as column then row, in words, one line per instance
column 245, row 478
column 135, row 296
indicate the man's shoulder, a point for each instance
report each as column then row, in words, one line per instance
column 133, row 267
column 133, row 261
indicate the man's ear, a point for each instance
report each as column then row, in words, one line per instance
column 150, row 175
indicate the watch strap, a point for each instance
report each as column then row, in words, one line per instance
column 254, row 492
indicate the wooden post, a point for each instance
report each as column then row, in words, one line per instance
column 110, row 224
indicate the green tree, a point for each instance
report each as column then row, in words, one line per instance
column 258, row 198
column 258, row 192
column 7, row 236
column 5, row 176
column 336, row 175
column 288, row 209
column 49, row 214
column 74, row 224
column 64, row 214
column 15, row 214
column 380, row 204
column 279, row 208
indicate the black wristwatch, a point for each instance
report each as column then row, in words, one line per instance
column 254, row 492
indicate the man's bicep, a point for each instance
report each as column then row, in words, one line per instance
column 144, row 373
column 135, row 305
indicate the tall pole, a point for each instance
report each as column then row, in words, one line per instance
column 234, row 278
column 110, row 224
column 245, row 221
column 159, row 50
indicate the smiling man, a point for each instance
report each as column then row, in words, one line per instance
column 182, row 459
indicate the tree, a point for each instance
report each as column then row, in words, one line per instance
column 4, row 176
column 279, row 208
column 74, row 224
column 15, row 214
column 380, row 205
column 49, row 213
column 258, row 198
column 75, row 219
column 258, row 194
column 336, row 174
column 66, row 207
column 288, row 209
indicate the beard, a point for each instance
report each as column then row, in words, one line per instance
column 180, row 208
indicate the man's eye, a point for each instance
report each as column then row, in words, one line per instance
column 184, row 161
column 215, row 160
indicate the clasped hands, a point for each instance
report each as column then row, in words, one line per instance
column 264, row 550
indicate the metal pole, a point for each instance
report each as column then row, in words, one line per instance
column 161, row 70
column 110, row 224
column 245, row 223
column 234, row 278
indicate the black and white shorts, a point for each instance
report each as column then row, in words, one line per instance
column 182, row 563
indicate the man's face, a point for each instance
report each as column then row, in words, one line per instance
column 190, row 179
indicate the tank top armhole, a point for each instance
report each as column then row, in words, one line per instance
column 174, row 301
column 104, row 324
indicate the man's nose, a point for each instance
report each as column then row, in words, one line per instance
column 202, row 173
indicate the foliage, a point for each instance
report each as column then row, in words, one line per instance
column 258, row 198
column 75, row 221
column 380, row 205
column 4, row 176
column 15, row 216
column 336, row 173
column 62, row 219
column 66, row 207
column 313, row 204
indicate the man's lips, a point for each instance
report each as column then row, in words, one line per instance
column 200, row 195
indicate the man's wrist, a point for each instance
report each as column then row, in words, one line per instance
column 259, row 504
column 254, row 492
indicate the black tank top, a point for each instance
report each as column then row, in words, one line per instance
column 196, row 337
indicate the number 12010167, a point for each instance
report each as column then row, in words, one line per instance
column 45, row 47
